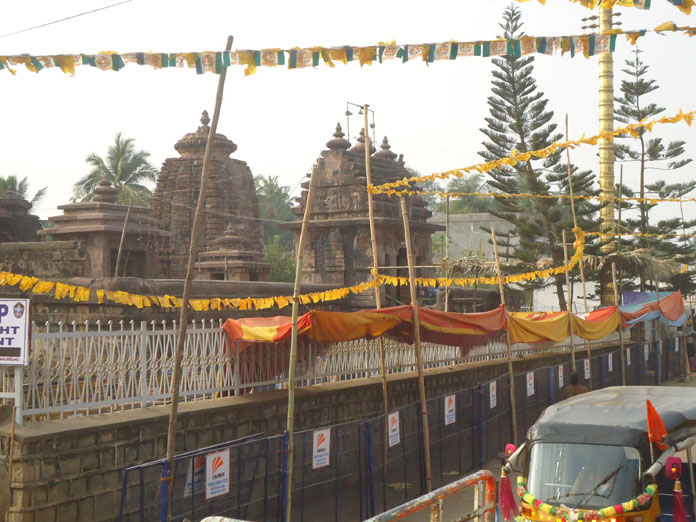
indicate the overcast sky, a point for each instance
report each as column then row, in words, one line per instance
column 281, row 119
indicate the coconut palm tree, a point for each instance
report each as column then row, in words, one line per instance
column 13, row 186
column 126, row 168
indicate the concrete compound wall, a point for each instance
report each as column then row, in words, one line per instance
column 72, row 469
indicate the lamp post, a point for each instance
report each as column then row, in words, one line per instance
column 361, row 112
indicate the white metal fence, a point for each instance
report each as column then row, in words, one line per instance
column 86, row 369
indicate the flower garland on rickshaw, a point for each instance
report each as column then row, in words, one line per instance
column 570, row 515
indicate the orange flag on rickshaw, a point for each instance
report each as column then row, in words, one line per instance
column 656, row 428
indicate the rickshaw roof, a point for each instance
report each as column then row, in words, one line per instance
column 617, row 416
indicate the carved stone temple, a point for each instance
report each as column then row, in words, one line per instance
column 231, row 199
column 339, row 250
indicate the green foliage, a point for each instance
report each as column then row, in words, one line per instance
column 466, row 205
column 275, row 205
column 652, row 154
column 126, row 168
column 519, row 120
column 282, row 260
column 13, row 186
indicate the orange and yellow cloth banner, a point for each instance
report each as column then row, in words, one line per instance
column 533, row 327
column 632, row 129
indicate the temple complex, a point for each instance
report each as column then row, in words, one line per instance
column 339, row 250
column 230, row 198
column 99, row 224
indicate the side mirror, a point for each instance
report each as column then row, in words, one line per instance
column 509, row 450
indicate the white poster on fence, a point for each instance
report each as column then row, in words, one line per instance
column 217, row 473
column 450, row 409
column 394, row 429
column 560, row 376
column 14, row 332
column 586, row 362
column 530, row 384
column 646, row 352
column 195, row 476
column 493, row 393
column 321, row 448
column 610, row 362
column 628, row 357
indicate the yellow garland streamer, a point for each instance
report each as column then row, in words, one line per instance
column 82, row 294
column 520, row 157
column 601, row 199
column 608, row 4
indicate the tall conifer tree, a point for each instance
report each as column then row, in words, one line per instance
column 519, row 120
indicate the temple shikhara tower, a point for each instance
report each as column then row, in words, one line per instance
column 231, row 199
column 339, row 251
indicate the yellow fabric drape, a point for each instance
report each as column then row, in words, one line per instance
column 525, row 330
column 595, row 330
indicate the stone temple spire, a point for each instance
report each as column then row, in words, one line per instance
column 105, row 192
column 384, row 152
column 360, row 146
column 338, row 142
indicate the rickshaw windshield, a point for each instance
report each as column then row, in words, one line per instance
column 586, row 476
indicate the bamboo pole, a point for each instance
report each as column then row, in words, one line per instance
column 513, row 409
column 686, row 354
column 123, row 238
column 375, row 263
column 417, row 345
column 575, row 224
column 570, row 307
column 10, row 457
column 447, row 245
column 193, row 251
column 621, row 343
column 293, row 344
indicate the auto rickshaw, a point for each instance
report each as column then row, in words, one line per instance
column 590, row 458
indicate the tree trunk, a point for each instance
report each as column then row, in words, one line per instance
column 561, row 293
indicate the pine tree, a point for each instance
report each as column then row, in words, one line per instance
column 631, row 107
column 519, row 120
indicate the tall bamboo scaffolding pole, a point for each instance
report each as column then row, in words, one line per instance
column 570, row 306
column 606, row 148
column 447, row 245
column 290, row 427
column 686, row 354
column 417, row 346
column 511, row 376
column 123, row 238
column 193, row 252
column 375, row 263
column 621, row 343
column 575, row 224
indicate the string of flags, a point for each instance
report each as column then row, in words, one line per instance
column 683, row 5
column 81, row 294
column 632, row 129
column 299, row 58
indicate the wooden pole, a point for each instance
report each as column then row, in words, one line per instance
column 686, row 355
column 570, row 308
column 375, row 261
column 123, row 238
column 417, row 346
column 293, row 343
column 621, row 343
column 511, row 376
column 193, row 252
column 575, row 224
column 447, row 245
column 12, row 437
